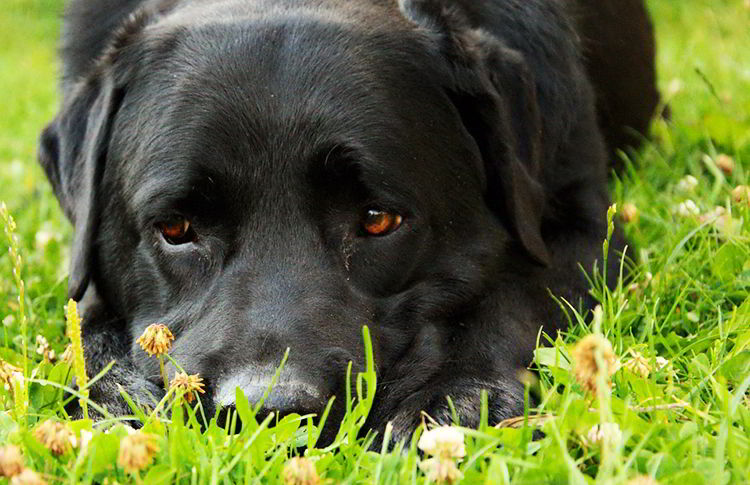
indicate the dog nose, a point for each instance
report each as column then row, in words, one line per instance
column 285, row 398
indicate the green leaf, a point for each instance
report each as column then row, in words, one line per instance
column 728, row 262
column 159, row 474
column 737, row 368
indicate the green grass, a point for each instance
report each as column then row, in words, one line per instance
column 685, row 424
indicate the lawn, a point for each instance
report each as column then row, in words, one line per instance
column 678, row 409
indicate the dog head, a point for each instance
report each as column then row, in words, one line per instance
column 267, row 180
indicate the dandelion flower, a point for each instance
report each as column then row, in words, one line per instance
column 725, row 163
column 156, row 339
column 56, row 437
column 299, row 471
column 604, row 433
column 444, row 442
column 188, row 385
column 643, row 480
column 440, row 470
column 629, row 212
column 27, row 477
column 11, row 461
column 137, row 450
column 586, row 368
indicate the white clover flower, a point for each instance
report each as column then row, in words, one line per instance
column 687, row 209
column 441, row 471
column 661, row 363
column 687, row 184
column 638, row 364
column 443, row 442
column 86, row 436
column 604, row 433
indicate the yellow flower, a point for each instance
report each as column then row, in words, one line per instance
column 156, row 339
column 440, row 470
column 136, row 451
column 629, row 212
column 11, row 461
column 56, row 437
column 586, row 368
column 300, row 471
column 643, row 480
column 27, row 477
column 188, row 385
column 444, row 442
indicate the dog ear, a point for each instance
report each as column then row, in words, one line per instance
column 494, row 92
column 72, row 151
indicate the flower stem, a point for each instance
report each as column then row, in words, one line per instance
column 163, row 372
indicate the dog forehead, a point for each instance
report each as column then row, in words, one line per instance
column 271, row 94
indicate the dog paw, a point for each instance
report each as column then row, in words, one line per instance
column 106, row 393
column 431, row 405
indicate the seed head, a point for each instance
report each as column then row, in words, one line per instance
column 156, row 339
column 725, row 163
column 643, row 480
column 741, row 194
column 441, row 471
column 444, row 442
column 137, row 450
column 188, row 385
column 586, row 368
column 11, row 461
column 300, row 471
column 7, row 373
column 56, row 437
column 27, row 477
column 629, row 212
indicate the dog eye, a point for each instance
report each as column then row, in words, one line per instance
column 177, row 230
column 379, row 223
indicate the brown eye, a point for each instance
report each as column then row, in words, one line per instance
column 177, row 231
column 380, row 223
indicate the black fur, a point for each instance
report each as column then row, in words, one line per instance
column 273, row 126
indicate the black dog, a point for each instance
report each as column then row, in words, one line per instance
column 264, row 174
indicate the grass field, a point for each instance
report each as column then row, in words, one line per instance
column 681, row 419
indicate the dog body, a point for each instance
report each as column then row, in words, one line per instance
column 260, row 175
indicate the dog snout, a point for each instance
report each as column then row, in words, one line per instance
column 294, row 394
